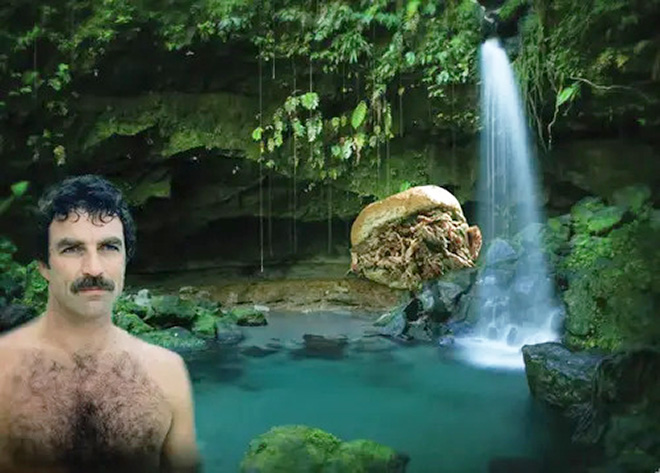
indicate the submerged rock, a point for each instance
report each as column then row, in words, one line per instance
column 318, row 346
column 302, row 449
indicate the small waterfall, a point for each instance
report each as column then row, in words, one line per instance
column 515, row 298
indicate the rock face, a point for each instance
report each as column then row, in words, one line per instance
column 608, row 264
column 411, row 237
column 302, row 449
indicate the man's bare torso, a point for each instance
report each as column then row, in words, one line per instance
column 81, row 412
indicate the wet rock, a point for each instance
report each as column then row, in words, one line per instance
column 499, row 252
column 391, row 324
column 439, row 299
column 557, row 376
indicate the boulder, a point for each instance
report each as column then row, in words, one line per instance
column 302, row 449
column 557, row 376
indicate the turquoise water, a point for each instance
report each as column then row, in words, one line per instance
column 447, row 416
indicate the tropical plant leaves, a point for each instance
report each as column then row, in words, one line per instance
column 359, row 114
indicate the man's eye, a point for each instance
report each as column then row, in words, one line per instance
column 111, row 247
column 71, row 249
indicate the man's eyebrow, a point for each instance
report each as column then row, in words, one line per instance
column 64, row 242
column 112, row 241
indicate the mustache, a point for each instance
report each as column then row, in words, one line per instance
column 92, row 281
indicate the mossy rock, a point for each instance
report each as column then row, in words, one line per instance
column 302, row 449
column 365, row 456
column 593, row 217
column 205, row 325
column 132, row 323
column 169, row 310
column 248, row 317
column 289, row 449
column 126, row 304
column 613, row 286
column 174, row 338
column 557, row 376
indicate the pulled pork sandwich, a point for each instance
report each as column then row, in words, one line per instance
column 411, row 237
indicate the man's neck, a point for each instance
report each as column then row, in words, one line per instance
column 67, row 332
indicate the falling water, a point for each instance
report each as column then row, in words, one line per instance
column 515, row 297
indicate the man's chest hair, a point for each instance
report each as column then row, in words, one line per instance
column 84, row 410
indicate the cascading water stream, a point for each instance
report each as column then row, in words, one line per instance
column 514, row 293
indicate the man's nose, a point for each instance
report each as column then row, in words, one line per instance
column 92, row 264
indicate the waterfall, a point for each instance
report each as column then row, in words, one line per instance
column 515, row 300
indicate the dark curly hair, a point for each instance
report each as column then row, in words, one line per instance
column 91, row 194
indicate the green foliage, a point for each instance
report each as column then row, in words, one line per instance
column 35, row 293
column 17, row 190
column 569, row 46
column 11, row 273
column 613, row 286
column 20, row 284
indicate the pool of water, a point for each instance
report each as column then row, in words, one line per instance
column 448, row 416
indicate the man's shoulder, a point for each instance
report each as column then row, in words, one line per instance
column 15, row 338
column 14, row 344
column 165, row 365
column 153, row 353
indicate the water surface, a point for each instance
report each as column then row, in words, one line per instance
column 446, row 415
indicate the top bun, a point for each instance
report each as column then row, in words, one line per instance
column 399, row 206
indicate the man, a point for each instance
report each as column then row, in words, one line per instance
column 77, row 393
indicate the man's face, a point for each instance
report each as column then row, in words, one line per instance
column 87, row 259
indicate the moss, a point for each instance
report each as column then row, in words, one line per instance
column 614, row 287
column 364, row 456
column 298, row 449
column 183, row 121
column 289, row 449
column 592, row 216
column 205, row 325
column 247, row 316
column 132, row 323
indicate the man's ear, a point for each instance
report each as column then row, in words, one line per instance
column 44, row 270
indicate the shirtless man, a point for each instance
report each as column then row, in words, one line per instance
column 77, row 393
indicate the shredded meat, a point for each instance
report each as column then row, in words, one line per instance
column 420, row 248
